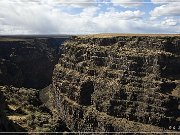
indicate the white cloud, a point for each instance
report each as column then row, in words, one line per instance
column 169, row 22
column 76, row 3
column 171, row 9
column 127, row 3
column 126, row 15
column 91, row 11
column 163, row 1
column 72, row 3
column 45, row 17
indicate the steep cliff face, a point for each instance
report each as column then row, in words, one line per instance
column 122, row 83
column 26, row 67
column 28, row 62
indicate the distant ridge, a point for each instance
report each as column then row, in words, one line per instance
column 91, row 35
column 36, row 36
column 105, row 35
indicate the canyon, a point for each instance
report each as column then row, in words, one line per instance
column 26, row 68
column 92, row 83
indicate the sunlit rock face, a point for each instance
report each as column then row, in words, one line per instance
column 118, row 83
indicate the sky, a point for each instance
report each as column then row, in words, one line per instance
column 89, row 16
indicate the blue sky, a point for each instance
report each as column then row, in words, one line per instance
column 89, row 16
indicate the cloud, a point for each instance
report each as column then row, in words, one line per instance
column 171, row 9
column 91, row 11
column 47, row 17
column 169, row 22
column 127, row 3
column 76, row 3
column 72, row 3
column 44, row 18
column 29, row 16
column 126, row 15
column 164, row 1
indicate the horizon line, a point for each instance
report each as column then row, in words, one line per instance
column 95, row 2
column 66, row 35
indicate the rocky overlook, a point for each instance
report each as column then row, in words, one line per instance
column 119, row 83
column 95, row 83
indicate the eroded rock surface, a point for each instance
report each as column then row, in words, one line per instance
column 6, row 125
column 101, row 84
column 123, row 83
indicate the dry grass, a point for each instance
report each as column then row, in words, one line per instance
column 109, row 35
column 13, row 107
column 2, row 39
column 17, row 118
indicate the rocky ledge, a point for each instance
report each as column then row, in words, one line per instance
column 119, row 83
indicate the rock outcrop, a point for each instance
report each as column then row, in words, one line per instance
column 6, row 125
column 122, row 83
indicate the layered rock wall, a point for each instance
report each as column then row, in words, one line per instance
column 123, row 83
